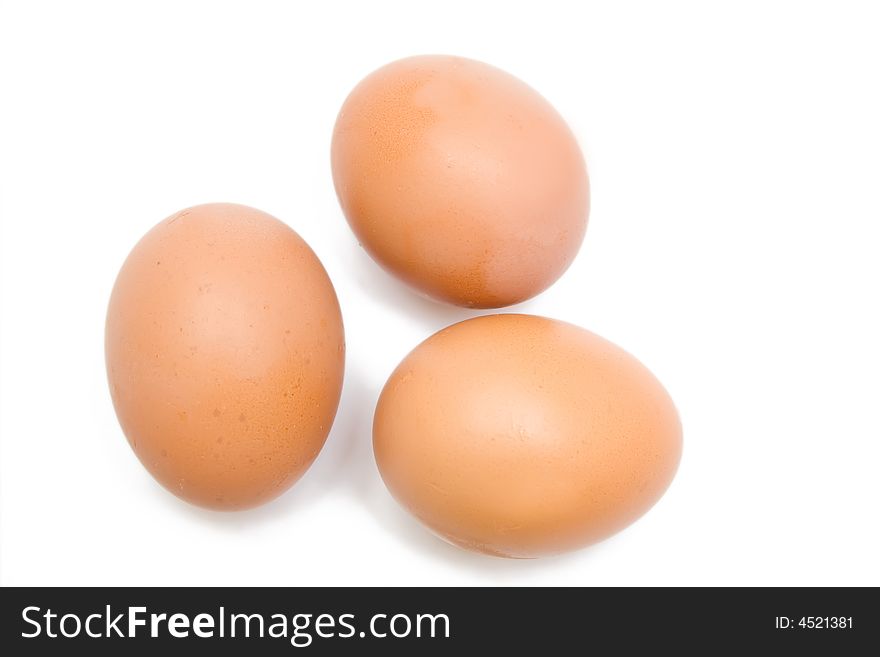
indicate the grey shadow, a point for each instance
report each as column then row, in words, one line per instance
column 404, row 300
column 337, row 462
column 393, row 519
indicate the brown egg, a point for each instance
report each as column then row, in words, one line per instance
column 521, row 436
column 225, row 355
column 461, row 180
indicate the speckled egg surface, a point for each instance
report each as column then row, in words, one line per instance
column 522, row 436
column 225, row 353
column 460, row 179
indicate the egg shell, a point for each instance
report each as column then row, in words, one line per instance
column 522, row 436
column 460, row 179
column 225, row 355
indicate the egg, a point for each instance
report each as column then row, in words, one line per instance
column 522, row 436
column 460, row 179
column 225, row 353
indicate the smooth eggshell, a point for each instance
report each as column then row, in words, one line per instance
column 225, row 351
column 521, row 436
column 460, row 179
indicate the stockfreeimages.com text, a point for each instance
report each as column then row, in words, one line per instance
column 300, row 629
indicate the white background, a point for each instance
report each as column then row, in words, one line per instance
column 734, row 150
